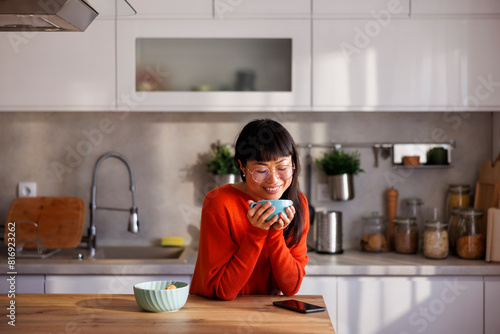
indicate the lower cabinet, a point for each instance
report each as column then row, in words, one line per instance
column 22, row 284
column 103, row 284
column 325, row 286
column 491, row 305
column 405, row 305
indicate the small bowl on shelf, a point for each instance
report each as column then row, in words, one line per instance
column 161, row 296
column 413, row 160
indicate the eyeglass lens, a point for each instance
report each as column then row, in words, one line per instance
column 262, row 174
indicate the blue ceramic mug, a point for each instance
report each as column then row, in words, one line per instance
column 279, row 206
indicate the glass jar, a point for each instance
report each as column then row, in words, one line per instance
column 406, row 235
column 471, row 241
column 459, row 196
column 374, row 233
column 413, row 209
column 436, row 244
column 452, row 228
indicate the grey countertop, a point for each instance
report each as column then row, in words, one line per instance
column 350, row 263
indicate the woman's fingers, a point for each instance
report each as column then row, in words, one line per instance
column 259, row 213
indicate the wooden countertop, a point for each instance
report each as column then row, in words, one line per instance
column 95, row 313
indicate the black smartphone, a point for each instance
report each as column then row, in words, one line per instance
column 298, row 306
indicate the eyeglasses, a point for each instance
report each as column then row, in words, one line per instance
column 261, row 174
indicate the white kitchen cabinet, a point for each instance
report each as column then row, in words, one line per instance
column 262, row 9
column 360, row 8
column 64, row 71
column 103, row 284
column 406, row 65
column 205, row 56
column 410, row 305
column 491, row 305
column 22, row 284
column 453, row 8
column 325, row 286
column 172, row 9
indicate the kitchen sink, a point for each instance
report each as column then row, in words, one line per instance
column 135, row 254
column 138, row 253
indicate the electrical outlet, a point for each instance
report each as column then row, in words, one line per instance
column 323, row 192
column 26, row 189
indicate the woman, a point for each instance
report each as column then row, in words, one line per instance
column 239, row 252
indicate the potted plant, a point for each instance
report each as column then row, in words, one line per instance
column 222, row 166
column 340, row 167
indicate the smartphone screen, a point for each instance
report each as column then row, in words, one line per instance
column 298, row 306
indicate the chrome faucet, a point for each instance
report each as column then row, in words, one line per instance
column 133, row 223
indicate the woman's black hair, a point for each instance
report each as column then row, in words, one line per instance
column 267, row 140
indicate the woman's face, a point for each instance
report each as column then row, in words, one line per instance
column 274, row 186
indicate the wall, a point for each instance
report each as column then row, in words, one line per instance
column 167, row 152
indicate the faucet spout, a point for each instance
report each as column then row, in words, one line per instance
column 133, row 224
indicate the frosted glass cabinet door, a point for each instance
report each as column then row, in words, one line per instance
column 369, row 305
column 189, row 65
column 59, row 70
column 406, row 65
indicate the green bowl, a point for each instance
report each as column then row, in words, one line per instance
column 154, row 297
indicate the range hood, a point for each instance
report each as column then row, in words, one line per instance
column 57, row 15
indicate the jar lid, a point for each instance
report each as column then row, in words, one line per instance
column 471, row 212
column 456, row 209
column 436, row 223
column 413, row 201
column 374, row 217
column 405, row 220
column 458, row 187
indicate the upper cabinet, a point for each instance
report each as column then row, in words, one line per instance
column 389, row 63
column 173, row 9
column 63, row 71
column 454, row 8
column 262, row 9
column 360, row 8
column 263, row 55
column 213, row 64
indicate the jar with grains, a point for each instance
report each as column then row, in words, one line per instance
column 459, row 196
column 373, row 233
column 471, row 240
column 406, row 235
column 452, row 228
column 413, row 209
column 436, row 244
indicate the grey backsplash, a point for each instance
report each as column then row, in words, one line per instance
column 167, row 152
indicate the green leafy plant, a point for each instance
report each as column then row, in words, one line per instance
column 222, row 161
column 339, row 162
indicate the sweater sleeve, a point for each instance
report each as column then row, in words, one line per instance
column 288, row 264
column 222, row 267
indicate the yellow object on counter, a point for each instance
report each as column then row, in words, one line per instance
column 172, row 242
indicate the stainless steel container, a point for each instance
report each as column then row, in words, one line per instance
column 329, row 232
column 341, row 187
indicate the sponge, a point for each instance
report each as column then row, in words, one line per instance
column 172, row 242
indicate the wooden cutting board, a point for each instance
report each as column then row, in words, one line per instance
column 488, row 186
column 60, row 220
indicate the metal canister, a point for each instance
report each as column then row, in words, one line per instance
column 329, row 232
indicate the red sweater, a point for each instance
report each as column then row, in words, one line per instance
column 235, row 257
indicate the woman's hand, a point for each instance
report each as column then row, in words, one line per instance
column 284, row 220
column 259, row 213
